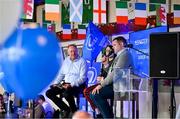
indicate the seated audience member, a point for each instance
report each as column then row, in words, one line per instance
column 2, row 107
column 39, row 112
column 81, row 115
column 7, row 100
column 48, row 109
column 69, row 82
column 107, row 58
column 104, row 90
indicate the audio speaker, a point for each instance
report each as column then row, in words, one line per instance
column 164, row 55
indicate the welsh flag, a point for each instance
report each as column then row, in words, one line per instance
column 28, row 8
column 81, row 31
column 140, row 14
column 87, row 11
column 76, row 9
column 161, row 15
column 67, row 32
column 52, row 11
column 121, row 12
column 176, row 13
column 158, row 1
column 152, row 6
column 99, row 11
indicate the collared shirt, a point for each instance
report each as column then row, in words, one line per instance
column 73, row 72
column 122, row 60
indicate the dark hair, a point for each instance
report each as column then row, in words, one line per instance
column 121, row 39
column 110, row 53
column 110, row 46
column 41, row 97
column 1, row 97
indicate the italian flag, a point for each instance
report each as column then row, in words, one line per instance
column 176, row 14
column 67, row 32
column 81, row 31
column 52, row 11
column 121, row 12
column 140, row 14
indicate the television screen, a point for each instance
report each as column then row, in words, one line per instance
column 140, row 41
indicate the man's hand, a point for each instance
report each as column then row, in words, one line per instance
column 96, row 90
column 66, row 85
column 54, row 85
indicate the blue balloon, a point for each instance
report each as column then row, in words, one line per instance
column 30, row 61
column 6, row 87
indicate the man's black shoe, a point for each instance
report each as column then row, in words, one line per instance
column 99, row 116
column 65, row 114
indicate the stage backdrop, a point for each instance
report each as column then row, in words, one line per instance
column 140, row 41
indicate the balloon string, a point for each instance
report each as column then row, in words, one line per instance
column 19, row 35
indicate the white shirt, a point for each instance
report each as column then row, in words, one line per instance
column 73, row 72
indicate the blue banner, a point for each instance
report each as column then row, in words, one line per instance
column 140, row 41
column 94, row 43
column 93, row 71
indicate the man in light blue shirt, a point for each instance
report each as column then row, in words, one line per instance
column 69, row 82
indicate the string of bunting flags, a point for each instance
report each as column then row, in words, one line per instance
column 129, row 16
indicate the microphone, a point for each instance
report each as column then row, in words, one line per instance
column 129, row 45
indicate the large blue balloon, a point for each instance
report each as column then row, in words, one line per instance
column 30, row 61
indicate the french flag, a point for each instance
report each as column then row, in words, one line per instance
column 67, row 32
column 81, row 31
column 140, row 14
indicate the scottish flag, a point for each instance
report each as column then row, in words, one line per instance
column 95, row 41
column 76, row 9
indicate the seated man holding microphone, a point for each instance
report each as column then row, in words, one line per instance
column 69, row 82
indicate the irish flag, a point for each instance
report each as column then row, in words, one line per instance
column 52, row 11
column 176, row 13
column 140, row 14
column 67, row 32
column 121, row 12
column 81, row 31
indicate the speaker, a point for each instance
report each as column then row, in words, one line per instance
column 164, row 55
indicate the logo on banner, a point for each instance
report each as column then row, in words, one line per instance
column 91, row 41
column 92, row 74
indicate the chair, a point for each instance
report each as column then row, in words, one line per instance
column 127, row 87
column 81, row 95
